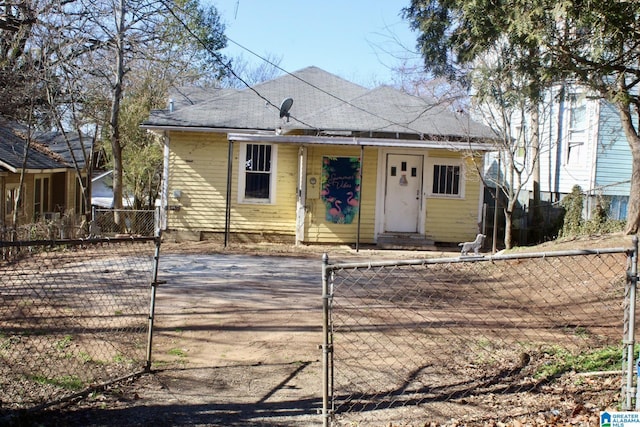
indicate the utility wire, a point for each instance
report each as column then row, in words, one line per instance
column 227, row 66
column 364, row 110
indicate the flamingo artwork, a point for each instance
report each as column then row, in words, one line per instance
column 352, row 201
column 336, row 210
column 340, row 189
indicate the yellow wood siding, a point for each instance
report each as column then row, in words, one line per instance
column 318, row 229
column 278, row 218
column 452, row 219
column 198, row 168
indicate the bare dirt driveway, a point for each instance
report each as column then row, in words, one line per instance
column 236, row 344
column 241, row 336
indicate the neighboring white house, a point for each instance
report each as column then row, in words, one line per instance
column 102, row 192
column 581, row 143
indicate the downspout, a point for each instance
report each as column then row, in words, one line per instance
column 559, row 141
column 227, row 216
column 550, row 178
column 164, row 192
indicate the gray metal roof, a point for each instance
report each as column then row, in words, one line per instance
column 322, row 102
column 13, row 139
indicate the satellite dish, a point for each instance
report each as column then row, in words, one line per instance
column 285, row 107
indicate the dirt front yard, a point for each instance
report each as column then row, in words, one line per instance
column 237, row 344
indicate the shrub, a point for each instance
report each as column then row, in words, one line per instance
column 572, row 204
column 575, row 225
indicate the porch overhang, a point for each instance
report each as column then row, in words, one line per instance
column 362, row 141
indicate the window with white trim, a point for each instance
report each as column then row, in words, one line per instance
column 10, row 197
column 257, row 173
column 446, row 178
column 577, row 130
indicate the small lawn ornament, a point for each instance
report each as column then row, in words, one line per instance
column 475, row 245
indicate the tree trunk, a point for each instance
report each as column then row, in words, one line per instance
column 537, row 219
column 114, row 118
column 633, row 208
column 508, row 222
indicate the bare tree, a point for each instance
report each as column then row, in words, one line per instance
column 115, row 39
column 248, row 73
column 500, row 98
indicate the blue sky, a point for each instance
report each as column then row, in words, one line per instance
column 359, row 40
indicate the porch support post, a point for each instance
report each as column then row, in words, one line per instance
column 227, row 216
column 301, row 196
column 360, row 198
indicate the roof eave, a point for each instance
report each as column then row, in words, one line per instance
column 359, row 141
column 203, row 129
column 13, row 169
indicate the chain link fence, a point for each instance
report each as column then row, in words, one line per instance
column 105, row 223
column 430, row 339
column 112, row 222
column 73, row 315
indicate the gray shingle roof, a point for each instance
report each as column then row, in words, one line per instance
column 55, row 141
column 245, row 109
column 12, row 145
column 389, row 110
column 322, row 102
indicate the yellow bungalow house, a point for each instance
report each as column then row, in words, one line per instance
column 312, row 158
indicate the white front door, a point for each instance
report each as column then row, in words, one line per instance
column 403, row 193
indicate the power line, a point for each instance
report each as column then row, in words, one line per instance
column 227, row 66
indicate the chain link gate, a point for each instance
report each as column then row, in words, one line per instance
column 74, row 314
column 416, row 340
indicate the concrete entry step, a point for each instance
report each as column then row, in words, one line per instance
column 409, row 241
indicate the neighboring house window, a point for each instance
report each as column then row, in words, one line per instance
column 447, row 178
column 618, row 207
column 257, row 174
column 11, row 195
column 520, row 141
column 577, row 127
column 42, row 196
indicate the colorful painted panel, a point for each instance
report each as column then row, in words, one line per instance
column 341, row 188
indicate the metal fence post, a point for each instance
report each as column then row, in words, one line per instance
column 152, row 303
column 630, row 339
column 326, row 348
